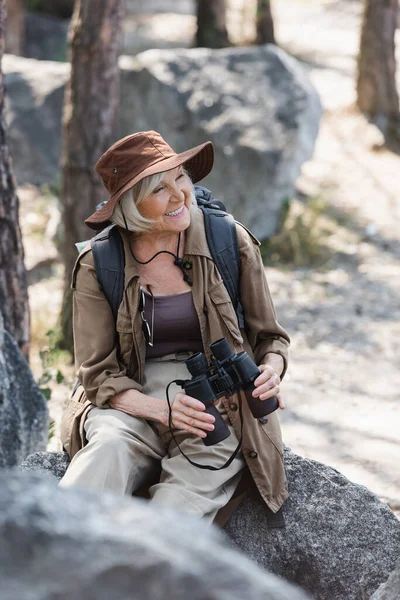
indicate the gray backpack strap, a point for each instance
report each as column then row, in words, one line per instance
column 223, row 242
column 109, row 261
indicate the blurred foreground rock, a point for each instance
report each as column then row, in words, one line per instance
column 256, row 105
column 24, row 421
column 70, row 544
column 340, row 541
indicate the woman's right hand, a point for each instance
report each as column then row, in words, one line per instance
column 189, row 415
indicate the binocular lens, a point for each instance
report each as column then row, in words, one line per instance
column 197, row 364
column 221, row 349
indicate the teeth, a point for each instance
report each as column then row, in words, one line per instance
column 174, row 212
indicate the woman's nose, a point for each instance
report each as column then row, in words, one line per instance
column 177, row 193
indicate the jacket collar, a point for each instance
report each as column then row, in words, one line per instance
column 196, row 240
column 195, row 243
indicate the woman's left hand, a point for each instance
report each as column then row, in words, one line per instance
column 267, row 385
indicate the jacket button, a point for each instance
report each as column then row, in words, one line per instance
column 233, row 406
column 253, row 454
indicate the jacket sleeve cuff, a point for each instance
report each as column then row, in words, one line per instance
column 275, row 346
column 110, row 388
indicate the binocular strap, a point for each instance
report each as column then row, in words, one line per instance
column 181, row 383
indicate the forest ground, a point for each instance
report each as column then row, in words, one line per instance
column 338, row 295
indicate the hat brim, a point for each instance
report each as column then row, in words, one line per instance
column 198, row 162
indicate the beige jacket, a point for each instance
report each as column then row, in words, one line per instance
column 104, row 373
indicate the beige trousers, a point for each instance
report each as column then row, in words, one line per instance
column 123, row 452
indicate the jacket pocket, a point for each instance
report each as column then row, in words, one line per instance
column 125, row 338
column 222, row 302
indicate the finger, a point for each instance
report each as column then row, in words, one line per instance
column 193, row 422
column 266, row 373
column 270, row 393
column 178, row 424
column 192, row 402
column 272, row 382
column 281, row 403
column 194, row 414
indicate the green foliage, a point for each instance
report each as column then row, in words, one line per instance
column 302, row 235
column 33, row 5
column 49, row 357
column 58, row 8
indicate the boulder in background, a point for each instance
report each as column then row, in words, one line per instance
column 255, row 104
column 33, row 112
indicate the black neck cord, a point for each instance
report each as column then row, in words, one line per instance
column 181, row 383
column 177, row 261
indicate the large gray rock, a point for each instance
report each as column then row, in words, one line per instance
column 24, row 421
column 340, row 542
column 390, row 590
column 33, row 111
column 45, row 37
column 69, row 544
column 256, row 104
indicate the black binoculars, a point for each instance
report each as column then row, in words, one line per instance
column 227, row 373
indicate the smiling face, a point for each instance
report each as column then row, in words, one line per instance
column 169, row 202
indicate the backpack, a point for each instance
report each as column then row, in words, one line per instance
column 109, row 257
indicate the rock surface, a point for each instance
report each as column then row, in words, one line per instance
column 49, row 463
column 45, row 37
column 33, row 111
column 255, row 104
column 390, row 590
column 340, row 541
column 81, row 545
column 24, row 421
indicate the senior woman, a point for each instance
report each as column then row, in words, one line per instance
column 116, row 425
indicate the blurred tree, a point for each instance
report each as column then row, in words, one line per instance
column 90, row 107
column 13, row 285
column 264, row 23
column 211, row 24
column 377, row 95
column 15, row 27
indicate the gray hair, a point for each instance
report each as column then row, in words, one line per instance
column 128, row 204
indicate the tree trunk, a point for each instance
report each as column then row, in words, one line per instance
column 377, row 95
column 211, row 24
column 13, row 285
column 90, row 107
column 15, row 27
column 264, row 23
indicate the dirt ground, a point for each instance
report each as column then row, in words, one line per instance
column 342, row 387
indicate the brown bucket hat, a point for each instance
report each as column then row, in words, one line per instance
column 139, row 155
